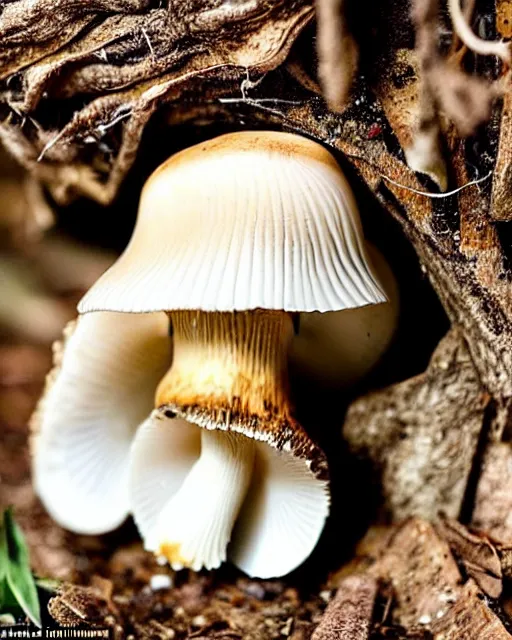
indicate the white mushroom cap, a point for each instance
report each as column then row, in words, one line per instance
column 281, row 505
column 100, row 390
column 247, row 220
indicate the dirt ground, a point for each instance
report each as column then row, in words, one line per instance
column 412, row 581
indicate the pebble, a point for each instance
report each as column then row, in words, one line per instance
column 255, row 590
column 199, row 621
column 287, row 629
column 160, row 581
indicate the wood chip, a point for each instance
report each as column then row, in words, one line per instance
column 493, row 503
column 349, row 615
column 422, row 572
column 478, row 555
column 469, row 619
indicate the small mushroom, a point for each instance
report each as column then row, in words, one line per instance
column 234, row 238
column 336, row 349
column 99, row 391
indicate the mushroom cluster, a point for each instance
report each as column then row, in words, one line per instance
column 170, row 397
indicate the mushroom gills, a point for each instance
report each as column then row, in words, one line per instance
column 282, row 517
column 194, row 528
column 99, row 392
column 199, row 496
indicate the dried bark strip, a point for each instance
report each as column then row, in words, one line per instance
column 493, row 503
column 478, row 556
column 29, row 31
column 470, row 619
column 125, row 66
column 502, row 181
column 349, row 615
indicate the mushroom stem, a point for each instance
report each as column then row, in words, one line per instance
column 233, row 366
column 195, row 526
column 229, row 375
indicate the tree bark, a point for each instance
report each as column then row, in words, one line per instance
column 75, row 99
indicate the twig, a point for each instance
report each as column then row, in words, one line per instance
column 428, row 194
column 151, row 50
column 257, row 101
column 103, row 127
column 472, row 41
column 337, row 52
column 50, row 144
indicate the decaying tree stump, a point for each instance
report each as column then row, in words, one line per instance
column 76, row 96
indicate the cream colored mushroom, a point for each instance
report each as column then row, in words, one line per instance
column 234, row 237
column 101, row 388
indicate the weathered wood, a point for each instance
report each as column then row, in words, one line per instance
column 349, row 615
column 493, row 502
column 422, row 572
column 470, row 619
column 122, row 60
column 424, row 463
column 478, row 556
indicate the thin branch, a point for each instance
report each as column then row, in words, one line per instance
column 472, row 41
column 337, row 52
column 428, row 194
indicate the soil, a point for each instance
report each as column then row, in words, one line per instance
column 415, row 580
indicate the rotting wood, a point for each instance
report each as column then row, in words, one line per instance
column 123, row 59
column 422, row 572
column 422, row 592
column 470, row 618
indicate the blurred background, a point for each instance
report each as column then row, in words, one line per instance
column 44, row 270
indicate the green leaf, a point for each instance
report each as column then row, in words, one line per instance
column 9, row 602
column 49, row 584
column 15, row 569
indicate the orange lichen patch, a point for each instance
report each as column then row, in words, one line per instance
column 504, row 18
column 172, row 551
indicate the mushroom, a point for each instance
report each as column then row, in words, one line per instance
column 99, row 391
column 336, row 349
column 235, row 239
